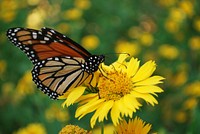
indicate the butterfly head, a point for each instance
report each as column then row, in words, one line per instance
column 92, row 63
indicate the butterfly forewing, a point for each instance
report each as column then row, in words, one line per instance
column 40, row 45
column 67, row 41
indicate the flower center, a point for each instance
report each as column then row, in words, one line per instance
column 114, row 86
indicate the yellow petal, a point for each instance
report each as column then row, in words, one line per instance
column 120, row 63
column 131, row 102
column 86, row 98
column 122, row 58
column 147, row 97
column 101, row 112
column 132, row 67
column 150, row 81
column 115, row 114
column 88, row 107
column 148, row 89
column 74, row 95
column 145, row 71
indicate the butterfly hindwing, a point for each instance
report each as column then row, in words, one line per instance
column 54, row 76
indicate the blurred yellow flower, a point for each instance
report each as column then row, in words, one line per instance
column 172, row 26
column 7, row 88
column 168, row 51
column 36, row 18
column 72, row 129
column 134, row 32
column 193, row 89
column 180, row 78
column 24, row 86
column 73, row 14
column 82, row 4
column 187, row 7
column 136, row 126
column 3, row 65
column 173, row 22
column 196, row 24
column 167, row 3
column 146, row 39
column 33, row 128
column 176, row 14
column 33, row 2
column 194, row 43
column 132, row 48
column 63, row 28
column 190, row 103
column 181, row 116
column 90, row 42
column 55, row 113
column 8, row 10
column 129, row 83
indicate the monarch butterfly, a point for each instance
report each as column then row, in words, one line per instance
column 59, row 63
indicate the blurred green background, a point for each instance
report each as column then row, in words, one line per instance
column 167, row 31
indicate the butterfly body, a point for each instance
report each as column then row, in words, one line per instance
column 59, row 63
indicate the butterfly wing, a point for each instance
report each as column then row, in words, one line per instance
column 57, row 59
column 47, row 43
column 54, row 76
column 67, row 41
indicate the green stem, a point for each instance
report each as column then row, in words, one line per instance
column 102, row 127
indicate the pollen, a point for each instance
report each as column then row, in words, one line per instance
column 114, row 86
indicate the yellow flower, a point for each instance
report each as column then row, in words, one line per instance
column 146, row 39
column 180, row 78
column 8, row 10
column 72, row 129
column 168, row 51
column 136, row 126
column 3, row 65
column 73, row 14
column 135, row 32
column 132, row 48
column 82, row 4
column 63, row 28
column 187, row 7
column 119, row 88
column 190, row 103
column 33, row 2
column 181, row 116
column 25, row 84
column 196, row 23
column 54, row 112
column 90, row 42
column 193, row 89
column 177, row 15
column 36, row 18
column 172, row 26
column 34, row 128
column 167, row 3
column 24, row 87
column 194, row 43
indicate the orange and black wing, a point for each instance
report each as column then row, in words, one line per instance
column 47, row 43
column 59, row 63
column 54, row 76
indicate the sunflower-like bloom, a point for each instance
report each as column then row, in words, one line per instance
column 136, row 126
column 120, row 86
